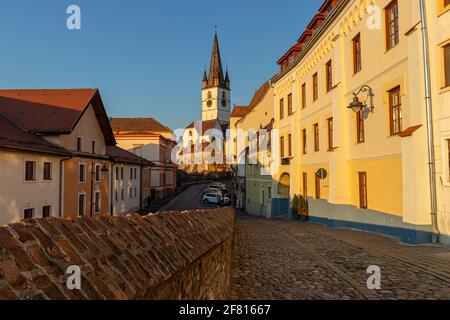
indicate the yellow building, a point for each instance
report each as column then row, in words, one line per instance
column 376, row 161
column 252, row 185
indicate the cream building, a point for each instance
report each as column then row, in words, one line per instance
column 149, row 139
column 30, row 169
column 376, row 162
column 251, row 125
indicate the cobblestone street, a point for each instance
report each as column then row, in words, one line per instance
column 280, row 259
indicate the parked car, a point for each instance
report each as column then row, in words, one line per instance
column 216, row 198
column 213, row 190
column 218, row 184
column 226, row 201
column 213, row 198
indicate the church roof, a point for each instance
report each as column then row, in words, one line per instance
column 143, row 125
column 239, row 111
column 216, row 77
column 206, row 125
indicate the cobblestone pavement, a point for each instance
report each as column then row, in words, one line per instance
column 280, row 259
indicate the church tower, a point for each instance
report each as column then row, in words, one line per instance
column 216, row 98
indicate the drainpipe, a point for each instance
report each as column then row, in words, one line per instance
column 61, row 173
column 113, row 195
column 430, row 131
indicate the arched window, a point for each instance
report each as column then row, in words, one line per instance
column 284, row 184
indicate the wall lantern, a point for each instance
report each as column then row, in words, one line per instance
column 104, row 168
column 358, row 106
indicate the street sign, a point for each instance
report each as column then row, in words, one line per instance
column 322, row 174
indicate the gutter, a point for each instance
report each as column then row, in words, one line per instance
column 430, row 130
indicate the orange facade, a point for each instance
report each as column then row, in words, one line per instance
column 86, row 185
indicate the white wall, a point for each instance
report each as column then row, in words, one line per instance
column 16, row 195
column 129, row 203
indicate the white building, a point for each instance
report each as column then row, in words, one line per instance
column 30, row 174
column 126, row 180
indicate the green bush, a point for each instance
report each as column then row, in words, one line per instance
column 295, row 205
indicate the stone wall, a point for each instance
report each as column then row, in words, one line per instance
column 175, row 255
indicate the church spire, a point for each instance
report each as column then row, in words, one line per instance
column 227, row 79
column 216, row 78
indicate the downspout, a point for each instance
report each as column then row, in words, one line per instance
column 430, row 130
column 113, row 196
column 61, row 173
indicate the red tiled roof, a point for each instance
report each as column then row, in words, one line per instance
column 257, row 98
column 13, row 137
column 138, row 125
column 239, row 111
column 121, row 155
column 206, row 125
column 53, row 111
column 259, row 95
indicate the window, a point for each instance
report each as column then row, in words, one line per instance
column 28, row 213
column 117, row 173
column 304, row 96
column 329, row 76
column 392, row 27
column 269, row 193
column 357, row 54
column 315, row 87
column 282, row 147
column 47, row 174
column 395, row 107
column 281, row 109
column 82, row 172
column 317, row 187
column 360, row 135
column 121, row 173
column 93, row 147
column 305, row 185
column 130, row 192
column 289, row 104
column 98, row 175
column 46, row 211
column 316, row 137
column 131, row 174
column 79, row 144
column 97, row 201
column 81, row 204
column 135, row 173
column 447, row 62
column 30, row 170
column 135, row 192
column 304, row 141
column 330, row 134
column 290, row 145
column 117, row 196
column 362, row 190
column 122, row 194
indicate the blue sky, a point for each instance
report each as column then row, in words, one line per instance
column 147, row 56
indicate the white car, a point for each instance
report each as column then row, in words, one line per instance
column 213, row 198
column 218, row 185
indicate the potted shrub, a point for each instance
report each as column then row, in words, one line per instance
column 295, row 207
column 303, row 208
